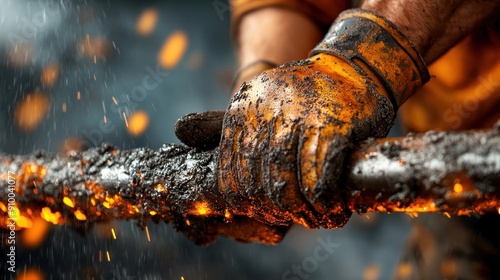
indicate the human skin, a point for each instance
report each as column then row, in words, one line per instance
column 280, row 35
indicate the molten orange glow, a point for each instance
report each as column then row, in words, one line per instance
column 50, row 75
column 152, row 213
column 201, row 208
column 79, row 215
column 147, row 22
column 458, row 188
column 160, row 188
column 498, row 210
column 20, row 55
column 49, row 216
column 173, row 50
column 94, row 47
column 227, row 214
column 14, row 213
column 30, row 274
column 68, row 202
column 31, row 111
column 138, row 123
column 33, row 237
column 24, row 222
column 32, row 172
column 4, row 208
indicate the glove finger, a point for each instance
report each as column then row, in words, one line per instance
column 282, row 184
column 200, row 130
column 322, row 155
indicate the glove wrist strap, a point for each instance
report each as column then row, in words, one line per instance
column 364, row 35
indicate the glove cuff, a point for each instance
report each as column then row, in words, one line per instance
column 249, row 72
column 361, row 35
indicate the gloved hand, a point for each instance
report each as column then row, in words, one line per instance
column 287, row 132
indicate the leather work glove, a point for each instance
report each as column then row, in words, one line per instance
column 287, row 132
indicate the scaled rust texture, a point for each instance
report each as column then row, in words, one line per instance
column 455, row 173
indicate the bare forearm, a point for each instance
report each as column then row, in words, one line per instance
column 276, row 35
column 434, row 26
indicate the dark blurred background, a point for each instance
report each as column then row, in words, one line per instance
column 74, row 74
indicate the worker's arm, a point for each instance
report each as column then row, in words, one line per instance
column 434, row 26
column 272, row 32
column 266, row 34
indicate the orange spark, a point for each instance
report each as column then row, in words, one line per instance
column 458, row 188
column 160, row 188
column 404, row 270
column 113, row 233
column 30, row 274
column 147, row 22
column 152, row 213
column 107, row 256
column 79, row 215
column 147, row 234
column 24, row 222
column 227, row 214
column 125, row 118
column 202, row 208
column 33, row 237
column 68, row 202
column 138, row 123
column 31, row 111
column 47, row 215
column 14, row 213
column 49, row 75
column 173, row 50
column 64, row 107
column 371, row 272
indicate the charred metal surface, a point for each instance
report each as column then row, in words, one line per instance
column 175, row 184
column 433, row 172
column 453, row 172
